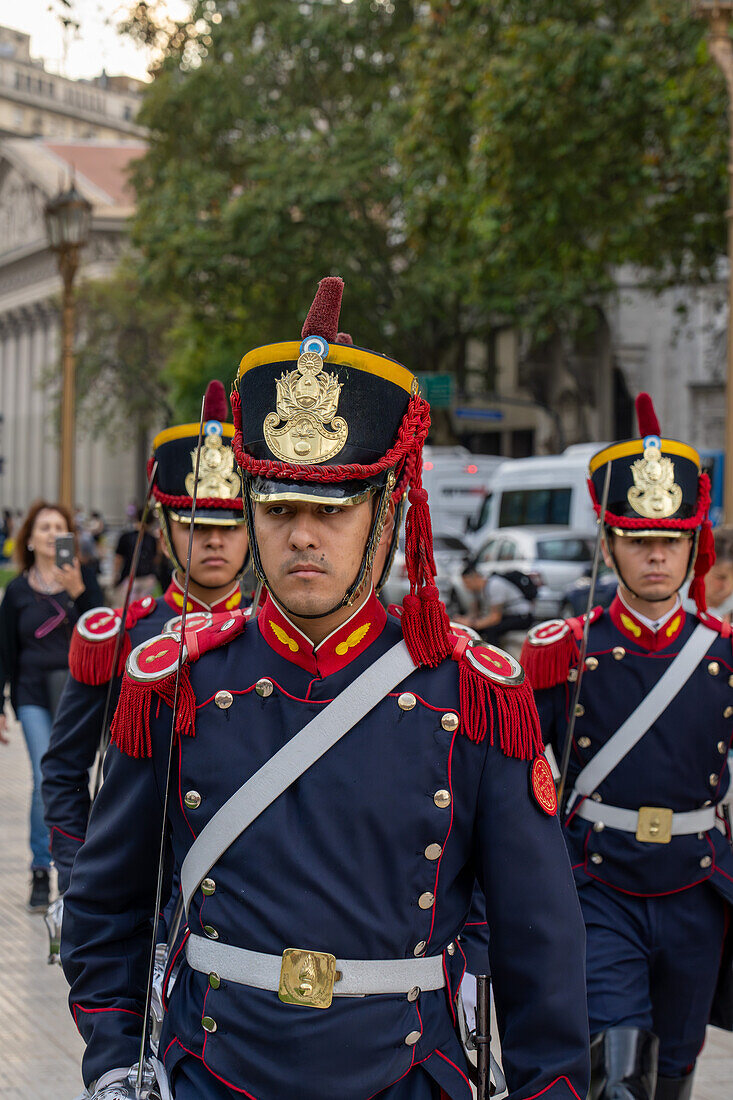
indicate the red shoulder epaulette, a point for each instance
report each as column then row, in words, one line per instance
column 723, row 628
column 551, row 649
column 93, row 641
column 151, row 670
column 495, row 695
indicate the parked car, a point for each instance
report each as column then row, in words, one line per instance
column 533, row 492
column 552, row 556
column 451, row 551
column 456, row 481
column 575, row 598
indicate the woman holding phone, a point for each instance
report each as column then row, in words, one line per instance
column 37, row 615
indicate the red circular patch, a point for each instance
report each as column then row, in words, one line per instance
column 495, row 662
column 98, row 625
column 543, row 785
column 100, row 622
column 550, row 631
column 160, row 653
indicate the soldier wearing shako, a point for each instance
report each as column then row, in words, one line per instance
column 339, row 779
column 218, row 561
column 647, row 770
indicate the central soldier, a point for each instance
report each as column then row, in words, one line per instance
column 339, row 779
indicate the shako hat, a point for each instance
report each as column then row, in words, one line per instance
column 320, row 419
column 656, row 489
column 219, row 489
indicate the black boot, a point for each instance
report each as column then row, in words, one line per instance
column 623, row 1064
column 38, row 901
column 674, row 1088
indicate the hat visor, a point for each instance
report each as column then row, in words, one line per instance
column 344, row 493
column 652, row 533
column 211, row 517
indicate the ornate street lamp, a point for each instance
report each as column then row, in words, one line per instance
column 68, row 218
column 719, row 14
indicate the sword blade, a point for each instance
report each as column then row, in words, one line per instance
column 483, row 1035
column 119, row 640
column 570, row 732
column 161, row 850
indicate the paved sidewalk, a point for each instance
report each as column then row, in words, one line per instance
column 40, row 1049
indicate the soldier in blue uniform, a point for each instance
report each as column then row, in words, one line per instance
column 339, row 779
column 219, row 558
column 648, row 767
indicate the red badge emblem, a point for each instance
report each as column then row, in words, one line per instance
column 548, row 633
column 153, row 660
column 99, row 624
column 495, row 664
column 543, row 785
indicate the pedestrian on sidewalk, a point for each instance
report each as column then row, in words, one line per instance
column 37, row 615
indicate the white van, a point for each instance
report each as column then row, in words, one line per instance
column 456, row 481
column 533, row 492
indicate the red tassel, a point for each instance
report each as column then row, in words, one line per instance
column 131, row 724
column 91, row 662
column 488, row 707
column 548, row 665
column 646, row 416
column 704, row 562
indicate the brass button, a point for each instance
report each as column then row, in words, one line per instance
column 596, row 797
column 214, row 980
column 413, row 994
column 412, row 1038
column 713, row 668
column 208, row 1023
column 451, row 949
column 619, row 652
column 211, row 932
column 706, row 861
column 572, row 675
column 426, row 900
column 450, row 722
column 406, row 701
column 722, row 748
column 584, row 742
column 598, row 826
column 595, row 858
column 713, row 780
column 730, row 681
column 591, row 663
column 264, row 688
column 208, row 886
column 579, row 710
column 419, row 949
column 441, row 799
column 192, row 799
column 728, row 712
column 433, row 851
column 223, row 699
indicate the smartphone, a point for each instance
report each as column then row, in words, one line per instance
column 65, row 550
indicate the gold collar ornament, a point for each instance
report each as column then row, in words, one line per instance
column 654, row 494
column 217, row 476
column 305, row 427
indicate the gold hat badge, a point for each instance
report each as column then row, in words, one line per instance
column 217, row 476
column 305, row 427
column 654, row 494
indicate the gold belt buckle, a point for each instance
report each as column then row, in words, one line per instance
column 655, row 824
column 307, row 978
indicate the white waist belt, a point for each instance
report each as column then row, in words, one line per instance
column 359, row 977
column 694, row 821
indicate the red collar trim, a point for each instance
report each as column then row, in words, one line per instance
column 230, row 602
column 636, row 631
column 332, row 654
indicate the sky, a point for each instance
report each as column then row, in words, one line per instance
column 95, row 46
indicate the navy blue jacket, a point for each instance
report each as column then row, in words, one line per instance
column 337, row 863
column 77, row 729
column 680, row 764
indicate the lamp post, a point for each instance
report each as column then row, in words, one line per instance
column 68, row 218
column 719, row 14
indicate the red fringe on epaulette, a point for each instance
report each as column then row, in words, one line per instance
column 131, row 724
column 488, row 707
column 91, row 662
column 548, row 665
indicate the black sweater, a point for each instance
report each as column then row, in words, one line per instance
column 25, row 658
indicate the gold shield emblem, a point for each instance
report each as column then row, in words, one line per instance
column 217, row 476
column 654, row 494
column 305, row 427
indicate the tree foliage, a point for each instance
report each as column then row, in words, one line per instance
column 457, row 161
